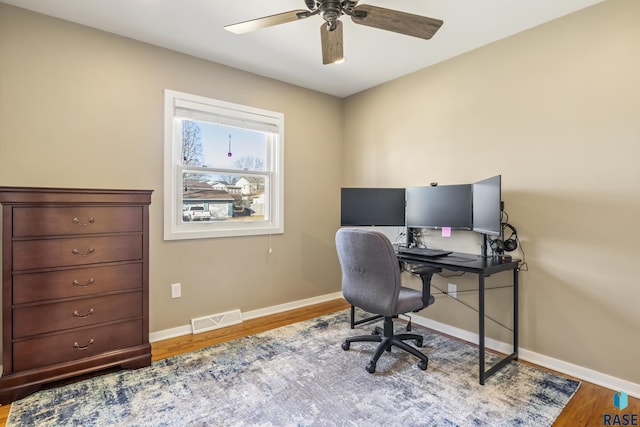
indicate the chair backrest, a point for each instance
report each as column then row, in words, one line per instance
column 370, row 270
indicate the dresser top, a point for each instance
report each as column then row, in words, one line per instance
column 40, row 195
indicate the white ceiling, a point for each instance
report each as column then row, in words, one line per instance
column 291, row 52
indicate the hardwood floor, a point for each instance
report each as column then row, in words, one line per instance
column 587, row 407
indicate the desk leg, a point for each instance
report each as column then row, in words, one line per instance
column 355, row 322
column 353, row 317
column 481, row 325
column 513, row 356
column 515, row 313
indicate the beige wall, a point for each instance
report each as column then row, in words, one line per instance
column 556, row 111
column 84, row 108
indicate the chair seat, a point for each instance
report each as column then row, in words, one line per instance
column 409, row 300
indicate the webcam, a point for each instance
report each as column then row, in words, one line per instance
column 434, row 184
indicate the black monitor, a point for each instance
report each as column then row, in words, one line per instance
column 372, row 207
column 440, row 206
column 487, row 206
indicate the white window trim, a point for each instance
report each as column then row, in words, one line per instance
column 174, row 228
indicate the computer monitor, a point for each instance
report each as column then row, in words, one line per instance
column 440, row 206
column 372, row 207
column 487, row 206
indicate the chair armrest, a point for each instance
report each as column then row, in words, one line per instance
column 425, row 269
column 425, row 273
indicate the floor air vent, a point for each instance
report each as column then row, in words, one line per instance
column 215, row 321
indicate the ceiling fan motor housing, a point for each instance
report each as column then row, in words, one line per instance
column 330, row 10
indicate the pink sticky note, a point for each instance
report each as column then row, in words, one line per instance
column 446, row 231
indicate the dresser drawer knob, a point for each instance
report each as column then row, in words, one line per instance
column 89, row 313
column 77, row 252
column 89, row 282
column 77, row 222
column 77, row 346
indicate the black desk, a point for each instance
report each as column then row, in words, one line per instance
column 483, row 267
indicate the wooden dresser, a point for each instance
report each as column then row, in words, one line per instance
column 75, row 284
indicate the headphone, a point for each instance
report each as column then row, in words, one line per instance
column 509, row 244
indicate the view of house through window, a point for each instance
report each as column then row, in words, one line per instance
column 233, row 183
column 223, row 168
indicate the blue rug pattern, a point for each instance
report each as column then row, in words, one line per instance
column 298, row 375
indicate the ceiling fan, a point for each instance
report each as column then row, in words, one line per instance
column 331, row 30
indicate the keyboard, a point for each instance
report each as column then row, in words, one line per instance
column 423, row 252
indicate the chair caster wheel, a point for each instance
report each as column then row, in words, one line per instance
column 419, row 343
column 345, row 345
column 371, row 367
column 423, row 365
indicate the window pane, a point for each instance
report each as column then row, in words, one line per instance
column 208, row 197
column 223, row 169
column 224, row 147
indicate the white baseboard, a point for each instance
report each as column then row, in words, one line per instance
column 290, row 306
column 186, row 329
column 585, row 374
column 170, row 333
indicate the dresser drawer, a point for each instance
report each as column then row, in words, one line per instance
column 74, row 314
column 30, row 254
column 77, row 344
column 32, row 287
column 54, row 221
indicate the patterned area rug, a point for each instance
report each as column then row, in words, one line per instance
column 298, row 375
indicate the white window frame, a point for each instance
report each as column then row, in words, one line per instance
column 228, row 114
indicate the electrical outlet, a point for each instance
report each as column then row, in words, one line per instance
column 176, row 290
column 453, row 290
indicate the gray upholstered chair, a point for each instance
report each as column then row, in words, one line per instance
column 371, row 281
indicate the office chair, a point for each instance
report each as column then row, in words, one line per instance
column 371, row 281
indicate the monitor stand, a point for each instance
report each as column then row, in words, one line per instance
column 484, row 245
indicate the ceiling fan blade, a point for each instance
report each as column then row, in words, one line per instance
column 267, row 21
column 331, row 43
column 396, row 21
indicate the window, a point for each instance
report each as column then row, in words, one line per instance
column 223, row 169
